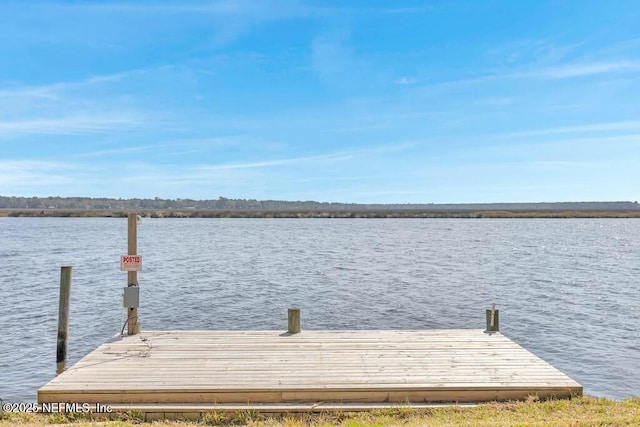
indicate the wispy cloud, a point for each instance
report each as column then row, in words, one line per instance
column 589, row 128
column 559, row 72
column 29, row 172
column 403, row 10
column 337, row 156
column 581, row 70
column 361, row 127
column 74, row 125
column 78, row 107
column 268, row 9
column 54, row 90
column 93, row 105
column 496, row 101
column 178, row 147
column 231, row 18
column 532, row 51
column 117, row 151
column 216, row 8
column 405, row 80
column 278, row 162
column 244, row 179
column 541, row 59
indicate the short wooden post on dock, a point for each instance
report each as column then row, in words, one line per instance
column 63, row 318
column 132, row 276
column 493, row 319
column 294, row 320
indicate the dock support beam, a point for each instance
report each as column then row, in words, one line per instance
column 132, row 276
column 63, row 318
column 294, row 320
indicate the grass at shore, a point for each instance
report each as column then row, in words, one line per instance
column 584, row 411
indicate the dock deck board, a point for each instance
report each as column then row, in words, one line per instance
column 272, row 367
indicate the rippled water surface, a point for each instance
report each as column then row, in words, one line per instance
column 567, row 289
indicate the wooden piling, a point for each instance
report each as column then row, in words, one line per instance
column 294, row 320
column 132, row 276
column 493, row 319
column 63, row 318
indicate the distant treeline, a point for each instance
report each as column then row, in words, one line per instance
column 370, row 213
column 295, row 207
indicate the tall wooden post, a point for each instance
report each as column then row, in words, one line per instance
column 63, row 318
column 132, row 276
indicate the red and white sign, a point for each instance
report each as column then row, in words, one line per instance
column 130, row 263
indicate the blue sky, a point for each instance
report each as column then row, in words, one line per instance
column 350, row 101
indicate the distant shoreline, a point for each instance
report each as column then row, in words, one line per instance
column 293, row 213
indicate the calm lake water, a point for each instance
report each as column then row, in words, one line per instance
column 567, row 289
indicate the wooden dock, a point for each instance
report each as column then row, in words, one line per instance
column 272, row 367
column 310, row 368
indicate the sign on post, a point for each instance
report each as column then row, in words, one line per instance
column 130, row 263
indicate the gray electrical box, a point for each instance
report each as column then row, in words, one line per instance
column 131, row 296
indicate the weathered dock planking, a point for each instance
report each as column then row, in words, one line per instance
column 274, row 368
